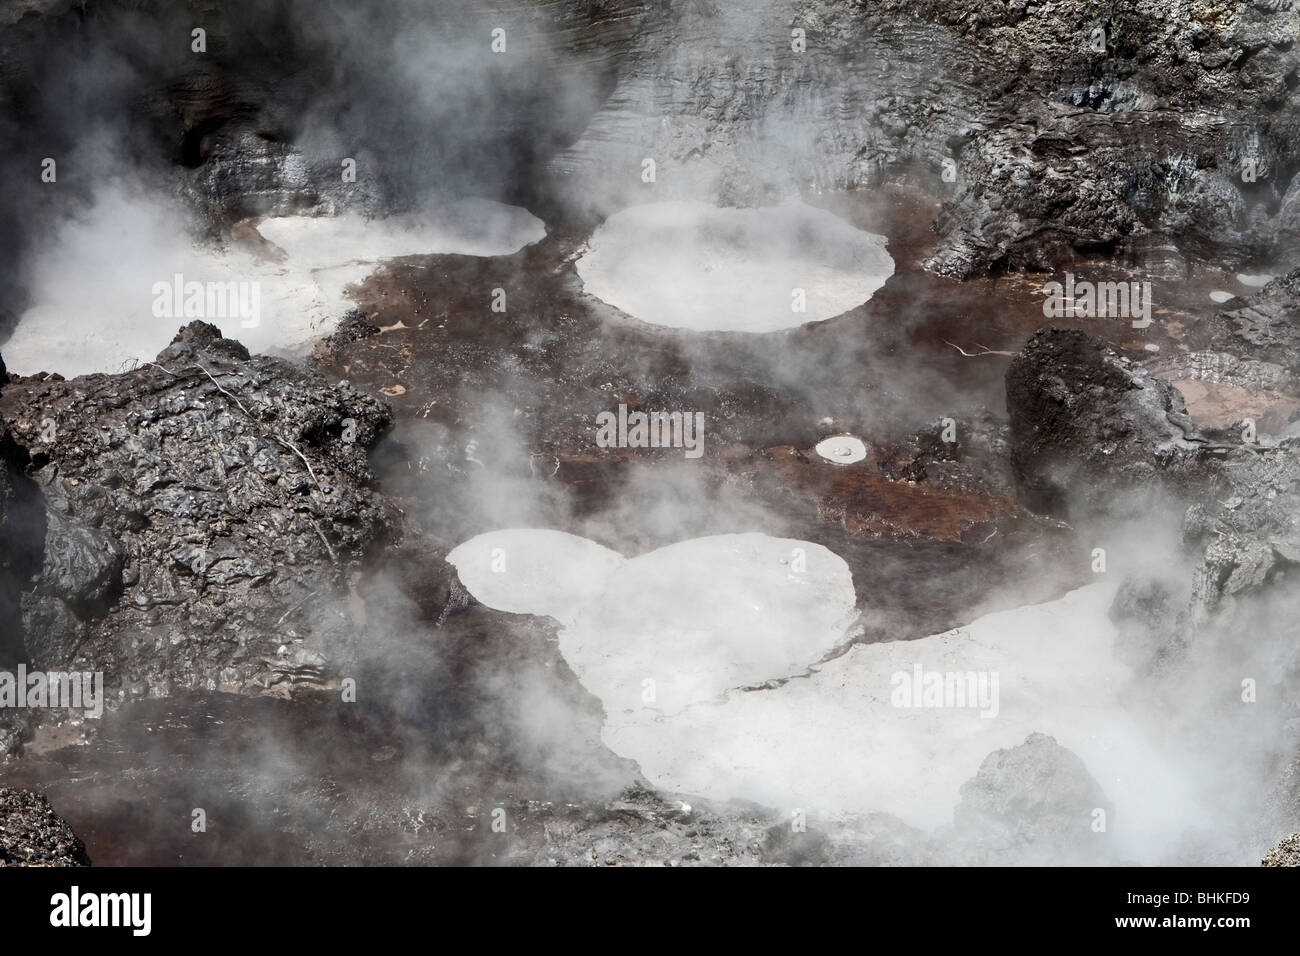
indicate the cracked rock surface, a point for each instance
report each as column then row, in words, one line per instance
column 199, row 518
column 32, row 834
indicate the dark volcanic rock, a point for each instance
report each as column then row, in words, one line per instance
column 1246, row 526
column 1267, row 326
column 1093, row 432
column 32, row 834
column 353, row 327
column 22, row 534
column 202, row 514
column 1049, row 128
column 245, row 172
column 259, row 122
column 1091, row 428
column 1088, row 424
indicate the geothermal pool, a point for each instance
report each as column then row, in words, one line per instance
column 746, row 688
column 642, row 635
column 691, row 265
column 100, row 306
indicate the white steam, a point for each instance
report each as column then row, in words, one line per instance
column 94, row 285
column 715, row 662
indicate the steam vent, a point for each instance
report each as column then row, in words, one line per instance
column 840, row 433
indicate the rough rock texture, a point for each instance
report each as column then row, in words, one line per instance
column 32, row 834
column 1266, row 327
column 1090, row 427
column 1225, row 392
column 20, row 527
column 1049, row 128
column 247, row 172
column 1088, row 424
column 1094, row 433
column 180, row 533
column 1034, row 799
column 1249, row 532
column 1246, row 527
column 642, row 828
column 200, row 516
column 1224, row 368
column 22, row 531
column 1058, row 140
column 260, row 121
column 1100, row 152
column 1286, row 853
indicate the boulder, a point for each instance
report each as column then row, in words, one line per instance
column 199, row 517
column 1031, row 801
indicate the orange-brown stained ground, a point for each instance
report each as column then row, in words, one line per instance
column 863, row 500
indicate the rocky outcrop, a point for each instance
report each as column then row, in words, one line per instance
column 201, row 514
column 1242, row 525
column 258, row 116
column 1049, row 129
column 1109, row 442
column 192, row 524
column 32, row 834
column 1096, row 435
column 1090, row 426
column 1036, row 802
column 1266, row 327
column 22, row 529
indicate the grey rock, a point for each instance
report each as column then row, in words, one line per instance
column 1266, row 327
column 1096, row 434
column 1286, row 853
column 1092, row 431
column 1225, row 368
column 1058, row 148
column 1060, row 143
column 1036, row 802
column 32, row 834
column 82, row 566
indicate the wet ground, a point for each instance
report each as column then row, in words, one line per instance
column 515, row 394
column 496, row 416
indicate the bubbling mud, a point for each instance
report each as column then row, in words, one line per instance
column 690, row 265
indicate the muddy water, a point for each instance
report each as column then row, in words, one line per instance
column 496, row 424
column 507, row 401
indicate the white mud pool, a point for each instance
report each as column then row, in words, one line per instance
column 690, row 265
column 114, row 285
column 747, row 687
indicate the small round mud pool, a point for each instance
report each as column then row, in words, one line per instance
column 691, row 265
